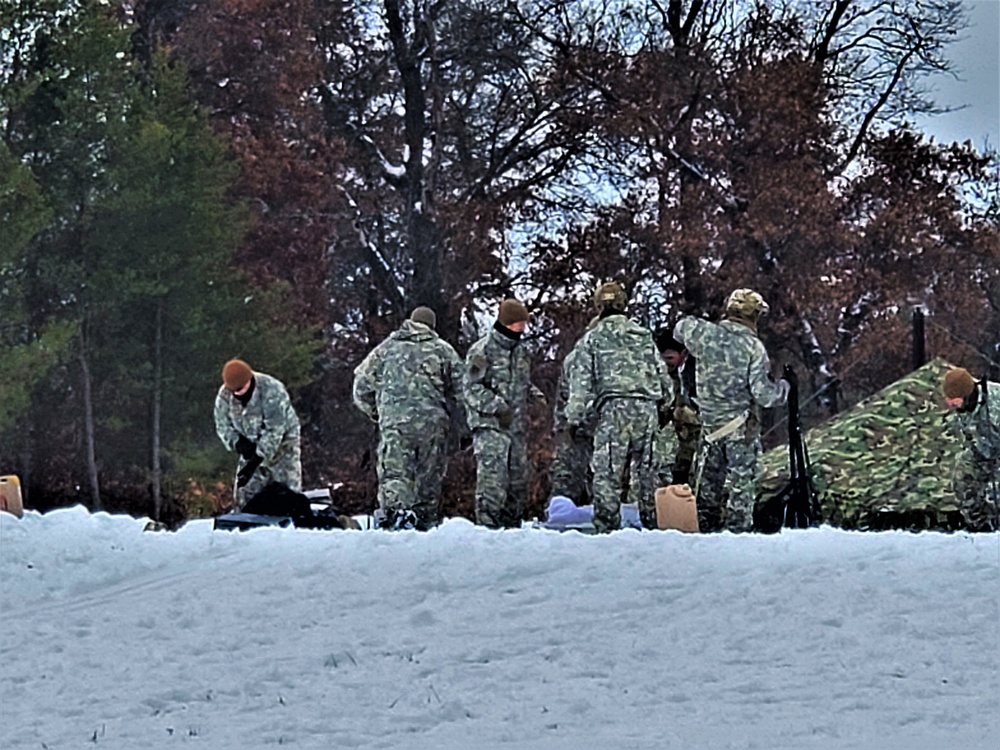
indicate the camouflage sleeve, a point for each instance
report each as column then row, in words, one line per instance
column 666, row 382
column 686, row 331
column 365, row 385
column 762, row 386
column 562, row 389
column 562, row 395
column 479, row 397
column 580, row 386
column 279, row 418
column 981, row 427
column 993, row 406
column 455, row 395
column 223, row 427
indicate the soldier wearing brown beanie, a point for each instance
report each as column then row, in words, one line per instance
column 958, row 384
column 513, row 315
column 497, row 386
column 254, row 417
column 976, row 477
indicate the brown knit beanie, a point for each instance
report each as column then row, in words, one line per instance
column 424, row 315
column 512, row 311
column 958, row 383
column 235, row 374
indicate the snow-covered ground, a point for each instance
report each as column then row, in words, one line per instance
column 465, row 638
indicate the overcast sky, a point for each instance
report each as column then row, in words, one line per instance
column 977, row 87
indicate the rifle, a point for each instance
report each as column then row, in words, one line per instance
column 800, row 504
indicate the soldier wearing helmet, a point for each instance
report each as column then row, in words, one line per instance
column 976, row 478
column 734, row 384
column 746, row 306
column 616, row 380
column 610, row 296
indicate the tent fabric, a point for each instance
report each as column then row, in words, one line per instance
column 887, row 462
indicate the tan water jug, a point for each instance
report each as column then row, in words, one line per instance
column 676, row 508
column 10, row 495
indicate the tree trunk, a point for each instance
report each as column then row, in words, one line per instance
column 88, row 417
column 157, row 470
column 421, row 231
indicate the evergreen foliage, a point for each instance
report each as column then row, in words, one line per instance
column 132, row 269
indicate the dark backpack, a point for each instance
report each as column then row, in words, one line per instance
column 277, row 499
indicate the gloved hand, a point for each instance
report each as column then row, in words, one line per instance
column 505, row 418
column 465, row 442
column 246, row 447
column 663, row 413
column 244, row 474
column 684, row 414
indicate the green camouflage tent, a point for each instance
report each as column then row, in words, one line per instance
column 885, row 463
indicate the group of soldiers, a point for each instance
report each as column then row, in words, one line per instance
column 625, row 419
column 634, row 410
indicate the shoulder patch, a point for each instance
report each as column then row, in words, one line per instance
column 477, row 367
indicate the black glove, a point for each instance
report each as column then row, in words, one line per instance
column 246, row 447
column 244, row 474
column 505, row 418
column 465, row 442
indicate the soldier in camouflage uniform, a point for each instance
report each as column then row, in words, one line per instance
column 619, row 378
column 677, row 440
column 734, row 382
column 497, row 386
column 254, row 416
column 977, row 473
column 410, row 386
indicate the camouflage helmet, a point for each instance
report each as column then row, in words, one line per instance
column 610, row 294
column 746, row 303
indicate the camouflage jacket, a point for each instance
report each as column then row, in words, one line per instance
column 615, row 359
column 268, row 419
column 497, row 378
column 733, row 370
column 411, row 378
column 980, row 428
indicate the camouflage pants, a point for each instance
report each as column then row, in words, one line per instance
column 501, row 477
column 727, row 485
column 623, row 462
column 687, row 447
column 286, row 468
column 571, row 465
column 977, row 487
column 411, row 466
column 665, row 449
